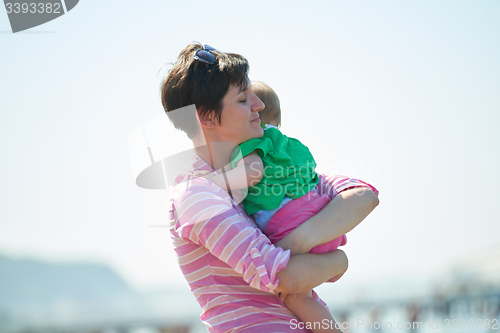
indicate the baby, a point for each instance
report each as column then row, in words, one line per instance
column 281, row 179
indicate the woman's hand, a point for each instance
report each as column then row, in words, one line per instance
column 336, row 278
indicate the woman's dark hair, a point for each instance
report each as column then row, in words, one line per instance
column 191, row 81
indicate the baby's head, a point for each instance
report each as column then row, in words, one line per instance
column 272, row 112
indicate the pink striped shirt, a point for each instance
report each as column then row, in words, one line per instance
column 229, row 264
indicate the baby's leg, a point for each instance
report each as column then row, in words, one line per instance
column 313, row 314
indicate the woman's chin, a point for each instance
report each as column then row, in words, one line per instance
column 260, row 132
column 254, row 133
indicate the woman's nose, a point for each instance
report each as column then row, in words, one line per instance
column 257, row 104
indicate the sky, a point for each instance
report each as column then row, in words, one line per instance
column 401, row 94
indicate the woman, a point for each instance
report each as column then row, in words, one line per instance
column 233, row 270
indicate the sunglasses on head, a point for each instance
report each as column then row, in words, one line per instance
column 205, row 55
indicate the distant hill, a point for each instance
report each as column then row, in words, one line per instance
column 27, row 282
column 38, row 294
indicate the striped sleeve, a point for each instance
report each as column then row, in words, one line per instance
column 204, row 217
column 333, row 185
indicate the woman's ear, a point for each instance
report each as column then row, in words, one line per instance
column 206, row 119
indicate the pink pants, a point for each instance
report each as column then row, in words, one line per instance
column 296, row 212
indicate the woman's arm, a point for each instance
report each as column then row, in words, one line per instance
column 339, row 216
column 306, row 271
column 346, row 210
column 208, row 220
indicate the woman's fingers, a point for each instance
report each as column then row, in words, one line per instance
column 335, row 278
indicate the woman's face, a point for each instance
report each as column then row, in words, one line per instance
column 240, row 119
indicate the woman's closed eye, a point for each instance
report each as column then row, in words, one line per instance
column 243, row 97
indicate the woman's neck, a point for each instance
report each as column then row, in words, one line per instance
column 216, row 154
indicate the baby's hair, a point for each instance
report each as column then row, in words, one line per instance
column 272, row 110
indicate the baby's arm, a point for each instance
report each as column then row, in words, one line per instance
column 248, row 172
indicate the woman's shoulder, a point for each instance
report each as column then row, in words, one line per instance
column 195, row 186
column 197, row 199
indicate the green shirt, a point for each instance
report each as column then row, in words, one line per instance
column 288, row 169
